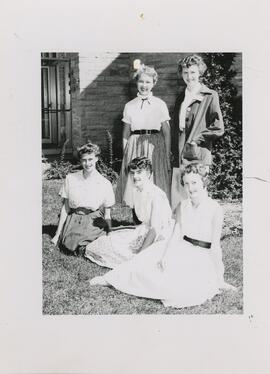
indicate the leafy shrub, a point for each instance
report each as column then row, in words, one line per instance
column 106, row 171
column 226, row 172
column 60, row 168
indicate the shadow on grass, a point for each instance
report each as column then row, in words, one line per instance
column 49, row 230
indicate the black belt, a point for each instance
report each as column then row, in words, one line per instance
column 144, row 132
column 200, row 243
column 82, row 211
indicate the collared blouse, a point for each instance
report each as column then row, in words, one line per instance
column 145, row 115
column 92, row 193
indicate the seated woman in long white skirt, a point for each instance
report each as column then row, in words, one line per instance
column 152, row 208
column 188, row 269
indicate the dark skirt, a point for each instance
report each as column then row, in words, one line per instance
column 81, row 228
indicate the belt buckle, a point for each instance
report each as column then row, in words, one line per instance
column 148, row 132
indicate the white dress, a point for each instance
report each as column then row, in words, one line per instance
column 191, row 275
column 153, row 210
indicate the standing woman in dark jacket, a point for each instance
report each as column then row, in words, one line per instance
column 197, row 122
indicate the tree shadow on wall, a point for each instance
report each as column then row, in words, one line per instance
column 101, row 102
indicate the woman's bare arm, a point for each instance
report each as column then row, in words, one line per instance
column 107, row 217
column 126, row 134
column 165, row 127
column 63, row 216
column 156, row 221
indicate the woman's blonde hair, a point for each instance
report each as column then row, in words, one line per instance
column 190, row 60
column 196, row 168
column 148, row 70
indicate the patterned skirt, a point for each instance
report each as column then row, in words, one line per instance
column 81, row 228
column 117, row 247
column 153, row 147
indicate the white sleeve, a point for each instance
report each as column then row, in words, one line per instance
column 164, row 112
column 126, row 115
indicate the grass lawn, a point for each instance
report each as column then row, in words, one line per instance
column 65, row 277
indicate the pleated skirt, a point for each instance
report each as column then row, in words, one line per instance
column 153, row 147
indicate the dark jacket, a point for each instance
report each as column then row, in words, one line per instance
column 204, row 124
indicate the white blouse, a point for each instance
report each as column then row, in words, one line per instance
column 92, row 193
column 147, row 115
column 190, row 97
column 197, row 222
column 152, row 207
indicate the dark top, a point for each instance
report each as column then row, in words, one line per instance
column 204, row 124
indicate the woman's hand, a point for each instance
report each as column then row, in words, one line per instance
column 54, row 242
column 162, row 264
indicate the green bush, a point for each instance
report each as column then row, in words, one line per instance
column 226, row 172
column 106, row 171
column 60, row 168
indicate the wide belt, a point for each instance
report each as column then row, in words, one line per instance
column 144, row 132
column 200, row 243
column 82, row 211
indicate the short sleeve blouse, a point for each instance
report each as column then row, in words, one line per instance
column 93, row 192
column 148, row 116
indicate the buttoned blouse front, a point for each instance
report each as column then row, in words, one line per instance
column 92, row 193
column 147, row 115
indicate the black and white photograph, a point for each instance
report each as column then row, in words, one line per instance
column 142, row 183
column 135, row 187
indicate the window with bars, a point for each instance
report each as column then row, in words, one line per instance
column 55, row 100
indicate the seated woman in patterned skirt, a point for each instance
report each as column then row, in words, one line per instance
column 152, row 208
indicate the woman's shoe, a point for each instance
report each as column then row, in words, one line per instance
column 98, row 281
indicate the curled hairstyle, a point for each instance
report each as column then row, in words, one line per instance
column 141, row 163
column 192, row 60
column 88, row 148
column 196, row 168
column 148, row 70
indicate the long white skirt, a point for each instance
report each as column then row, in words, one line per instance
column 189, row 277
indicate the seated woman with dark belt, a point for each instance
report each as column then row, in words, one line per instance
column 88, row 197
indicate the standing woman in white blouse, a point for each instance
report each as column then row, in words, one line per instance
column 146, row 133
column 88, row 197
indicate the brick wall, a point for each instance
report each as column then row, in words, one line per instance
column 106, row 86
